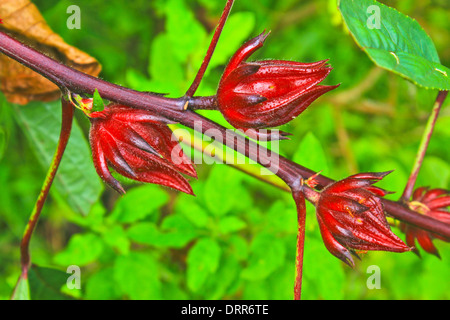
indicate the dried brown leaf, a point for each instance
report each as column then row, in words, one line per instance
column 22, row 20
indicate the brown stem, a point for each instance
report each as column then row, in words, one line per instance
column 203, row 103
column 66, row 127
column 68, row 78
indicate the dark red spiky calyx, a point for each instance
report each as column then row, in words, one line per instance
column 433, row 203
column 270, row 93
column 351, row 218
column 138, row 145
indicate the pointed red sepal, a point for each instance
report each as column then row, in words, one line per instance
column 264, row 94
column 352, row 218
column 138, row 145
column 433, row 203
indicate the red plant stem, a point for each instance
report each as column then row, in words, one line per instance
column 203, row 103
column 174, row 109
column 301, row 218
column 423, row 146
column 66, row 127
column 81, row 83
column 212, row 46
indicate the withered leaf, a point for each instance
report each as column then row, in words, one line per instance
column 23, row 21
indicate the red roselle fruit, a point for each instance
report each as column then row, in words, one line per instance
column 433, row 203
column 138, row 145
column 263, row 94
column 351, row 217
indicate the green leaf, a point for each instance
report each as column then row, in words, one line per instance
column 6, row 121
column 81, row 250
column 281, row 282
column 230, row 224
column 171, row 291
column 310, row 154
column 421, row 71
column 256, row 290
column 281, row 218
column 97, row 104
column 139, row 203
column 137, row 276
column 202, row 261
column 46, row 283
column 395, row 42
column 117, row 238
column 267, row 254
column 225, row 190
column 323, row 274
column 22, row 290
column 100, row 286
column 435, row 172
column 185, row 33
column 166, row 72
column 76, row 179
column 146, row 233
column 238, row 247
column 2, row 142
column 237, row 30
column 189, row 207
column 431, row 283
column 94, row 221
column 226, row 274
column 176, row 232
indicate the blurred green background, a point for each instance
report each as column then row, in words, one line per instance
column 236, row 239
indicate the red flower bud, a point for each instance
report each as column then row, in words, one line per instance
column 433, row 203
column 138, row 145
column 262, row 94
column 351, row 217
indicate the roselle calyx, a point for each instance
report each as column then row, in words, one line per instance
column 433, row 203
column 138, row 145
column 269, row 93
column 351, row 217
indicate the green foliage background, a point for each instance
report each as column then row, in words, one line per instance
column 236, row 238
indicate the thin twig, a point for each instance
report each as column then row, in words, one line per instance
column 212, row 46
column 301, row 222
column 423, row 146
column 66, row 127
